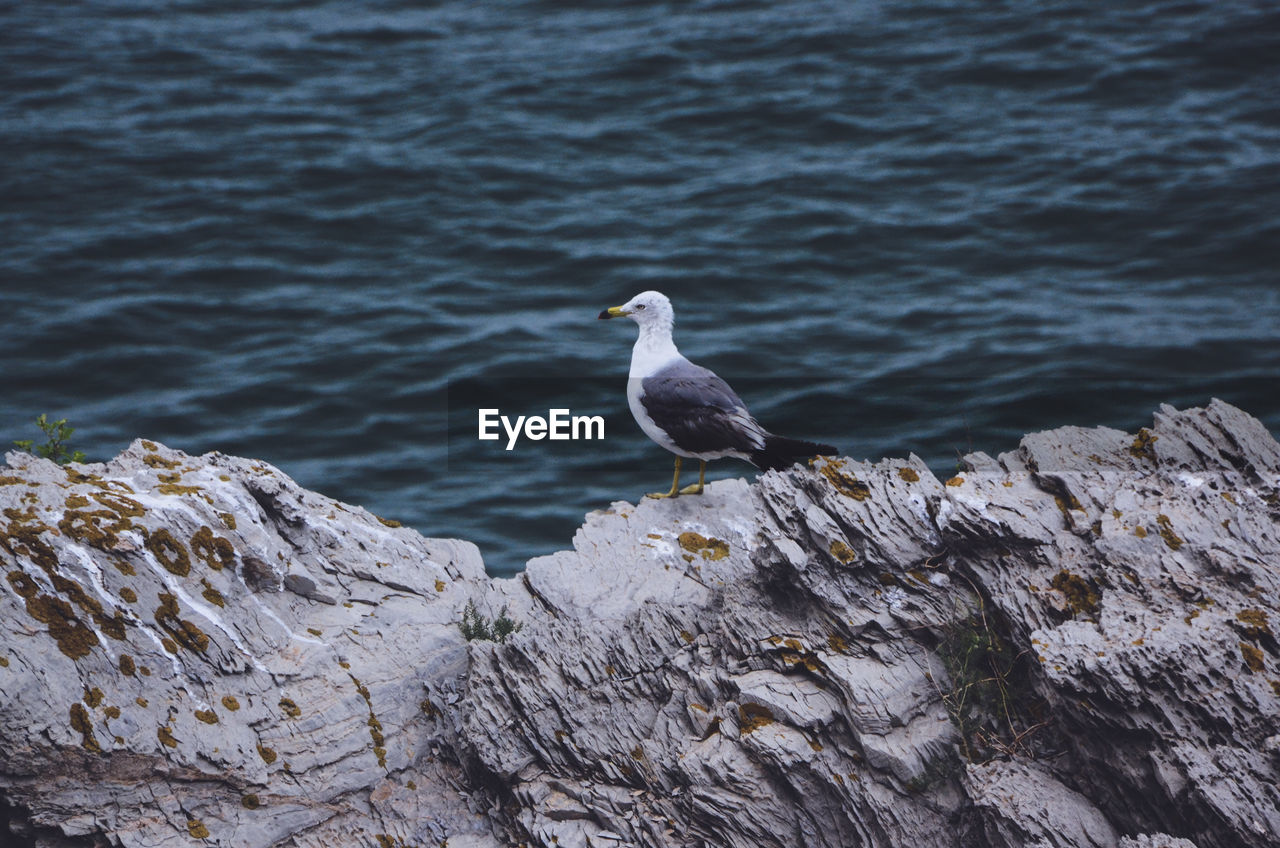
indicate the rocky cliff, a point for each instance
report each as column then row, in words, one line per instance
column 1069, row 645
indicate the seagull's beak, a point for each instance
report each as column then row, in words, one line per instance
column 613, row 312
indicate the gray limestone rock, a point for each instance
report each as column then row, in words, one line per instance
column 1067, row 645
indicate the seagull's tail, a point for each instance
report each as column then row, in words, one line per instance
column 780, row 452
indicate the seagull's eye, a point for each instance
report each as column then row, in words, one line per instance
column 639, row 306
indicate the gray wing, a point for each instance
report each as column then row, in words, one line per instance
column 698, row 410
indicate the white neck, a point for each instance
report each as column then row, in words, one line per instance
column 654, row 348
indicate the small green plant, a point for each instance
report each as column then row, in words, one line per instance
column 55, row 447
column 989, row 699
column 476, row 626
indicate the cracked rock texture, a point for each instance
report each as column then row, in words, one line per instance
column 1071, row 644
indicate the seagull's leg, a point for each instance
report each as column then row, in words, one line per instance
column 675, row 486
column 696, row 488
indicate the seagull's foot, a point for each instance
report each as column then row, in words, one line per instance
column 672, row 494
column 692, row 489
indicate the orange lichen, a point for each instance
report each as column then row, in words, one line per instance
column 230, row 702
column 909, row 474
column 290, row 708
column 268, row 754
column 183, row 631
column 127, row 665
column 207, row 716
column 196, row 828
column 1256, row 623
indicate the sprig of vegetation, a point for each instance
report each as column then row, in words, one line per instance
column 476, row 626
column 55, row 447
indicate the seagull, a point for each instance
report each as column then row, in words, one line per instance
column 689, row 410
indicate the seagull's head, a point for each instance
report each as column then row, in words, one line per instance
column 646, row 308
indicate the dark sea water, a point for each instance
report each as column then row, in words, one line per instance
column 322, row 233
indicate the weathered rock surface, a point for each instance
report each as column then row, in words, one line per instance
column 1068, row 645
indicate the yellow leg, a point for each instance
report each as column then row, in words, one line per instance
column 675, row 486
column 696, row 488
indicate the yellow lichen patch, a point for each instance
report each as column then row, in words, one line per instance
column 122, row 506
column 75, row 501
column 290, row 708
column 709, row 548
column 1140, row 532
column 1143, row 446
column 228, row 519
column 375, row 726
column 214, row 551
column 250, row 801
column 389, row 522
column 73, row 637
column 268, row 754
column 81, row 723
column 4, row 662
column 1252, row 658
column 315, row 631
column 10, row 481
column 127, row 665
column 686, row 635
column 212, row 595
column 439, row 585
column 196, row 828
column 160, row 462
column 637, row 754
column 142, row 702
column 1256, row 623
column 183, row 631
column 845, row 484
column 1171, row 538
column 230, row 702
column 86, row 526
column 93, row 696
column 752, row 717
column 1081, row 596
column 166, row 737
column 1228, row 497
column 842, row 552
column 837, row 643
column 955, row 482
column 909, row 474
column 207, row 716
column 144, row 671
column 169, row 552
column 149, row 445
column 610, row 670
column 128, row 595
column 111, row 712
